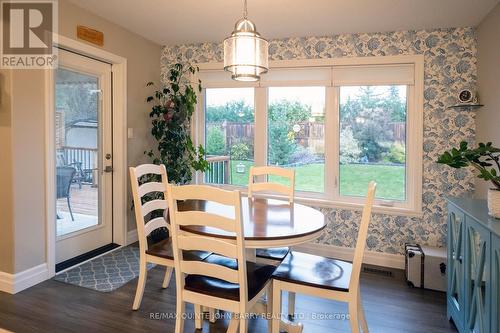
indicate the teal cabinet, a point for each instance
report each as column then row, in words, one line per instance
column 477, row 277
column 473, row 293
column 495, row 287
column 455, row 269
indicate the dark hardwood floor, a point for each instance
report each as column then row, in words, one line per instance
column 54, row 306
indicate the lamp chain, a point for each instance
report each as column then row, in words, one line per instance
column 245, row 12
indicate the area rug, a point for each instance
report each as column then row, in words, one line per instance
column 106, row 273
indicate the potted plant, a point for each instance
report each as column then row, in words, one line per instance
column 485, row 159
column 174, row 104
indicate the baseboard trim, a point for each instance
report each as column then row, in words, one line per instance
column 132, row 236
column 14, row 283
column 346, row 253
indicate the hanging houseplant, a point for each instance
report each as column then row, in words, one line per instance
column 174, row 105
column 485, row 159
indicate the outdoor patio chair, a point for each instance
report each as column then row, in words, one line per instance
column 64, row 175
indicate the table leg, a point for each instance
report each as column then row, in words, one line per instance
column 261, row 306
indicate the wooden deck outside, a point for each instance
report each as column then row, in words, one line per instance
column 83, row 201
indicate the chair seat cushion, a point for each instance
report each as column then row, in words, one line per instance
column 163, row 249
column 273, row 254
column 257, row 277
column 314, row 271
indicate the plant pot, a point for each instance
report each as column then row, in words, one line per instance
column 494, row 203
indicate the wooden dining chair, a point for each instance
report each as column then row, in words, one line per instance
column 276, row 254
column 221, row 281
column 326, row 278
column 268, row 186
column 160, row 253
column 273, row 254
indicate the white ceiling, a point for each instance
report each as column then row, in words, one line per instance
column 188, row 21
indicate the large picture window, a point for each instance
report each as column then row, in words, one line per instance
column 338, row 123
column 295, row 134
column 229, row 134
column 372, row 140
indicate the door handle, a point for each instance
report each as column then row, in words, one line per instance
column 108, row 168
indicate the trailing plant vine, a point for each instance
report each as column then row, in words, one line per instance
column 173, row 107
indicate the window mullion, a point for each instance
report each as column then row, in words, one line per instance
column 260, row 128
column 332, row 143
column 198, row 130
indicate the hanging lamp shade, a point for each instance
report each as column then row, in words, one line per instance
column 245, row 52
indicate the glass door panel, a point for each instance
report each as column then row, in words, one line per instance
column 456, row 269
column 83, row 161
column 77, row 150
column 477, row 278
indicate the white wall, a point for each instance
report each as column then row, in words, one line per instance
column 6, row 226
column 22, row 136
column 488, row 117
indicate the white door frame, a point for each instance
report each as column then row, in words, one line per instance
column 119, row 92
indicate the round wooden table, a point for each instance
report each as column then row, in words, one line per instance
column 267, row 223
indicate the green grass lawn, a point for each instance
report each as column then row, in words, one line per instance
column 354, row 179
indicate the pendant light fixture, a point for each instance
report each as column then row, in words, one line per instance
column 245, row 51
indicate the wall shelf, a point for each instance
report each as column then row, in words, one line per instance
column 465, row 106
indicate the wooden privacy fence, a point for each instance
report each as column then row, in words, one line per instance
column 399, row 131
column 309, row 131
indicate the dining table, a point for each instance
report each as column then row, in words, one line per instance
column 267, row 223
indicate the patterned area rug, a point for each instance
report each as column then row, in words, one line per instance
column 106, row 273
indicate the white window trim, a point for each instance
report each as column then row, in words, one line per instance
column 331, row 197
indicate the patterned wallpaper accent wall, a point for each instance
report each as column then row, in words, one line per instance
column 450, row 64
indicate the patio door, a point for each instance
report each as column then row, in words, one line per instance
column 84, row 158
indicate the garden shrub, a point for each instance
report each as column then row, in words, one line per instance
column 240, row 152
column 302, row 156
column 281, row 143
column 349, row 147
column 396, row 154
column 216, row 143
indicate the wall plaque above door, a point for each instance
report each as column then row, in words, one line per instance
column 90, row 35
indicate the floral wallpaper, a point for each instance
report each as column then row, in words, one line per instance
column 450, row 65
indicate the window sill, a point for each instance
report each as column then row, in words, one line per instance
column 326, row 203
column 377, row 209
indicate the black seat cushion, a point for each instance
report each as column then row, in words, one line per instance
column 277, row 254
column 163, row 249
column 257, row 277
column 315, row 271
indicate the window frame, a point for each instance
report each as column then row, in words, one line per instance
column 331, row 197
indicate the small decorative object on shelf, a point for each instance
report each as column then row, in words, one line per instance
column 466, row 96
column 485, row 159
column 467, row 99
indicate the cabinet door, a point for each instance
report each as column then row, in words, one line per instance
column 477, row 277
column 495, row 284
column 456, row 291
